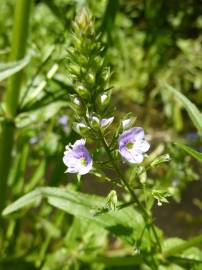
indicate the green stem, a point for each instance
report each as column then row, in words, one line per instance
column 19, row 41
column 18, row 49
column 146, row 216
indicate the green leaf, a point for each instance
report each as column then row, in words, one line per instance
column 29, row 198
column 192, row 110
column 38, row 115
column 197, row 155
column 7, row 70
column 126, row 223
column 175, row 246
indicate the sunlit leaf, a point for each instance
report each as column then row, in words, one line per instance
column 192, row 110
column 7, row 70
column 126, row 223
column 197, row 155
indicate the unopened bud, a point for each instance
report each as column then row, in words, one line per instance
column 106, row 74
column 106, row 122
column 142, row 175
column 98, row 61
column 82, row 91
column 90, row 78
column 74, row 69
column 112, row 200
column 83, row 19
column 95, row 122
column 77, row 101
column 160, row 159
column 80, row 128
column 128, row 123
column 103, row 100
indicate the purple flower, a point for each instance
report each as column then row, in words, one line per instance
column 63, row 120
column 77, row 158
column 132, row 145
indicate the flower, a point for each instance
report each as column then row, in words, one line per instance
column 132, row 145
column 63, row 120
column 77, row 158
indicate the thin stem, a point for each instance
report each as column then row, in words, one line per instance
column 146, row 216
column 19, row 38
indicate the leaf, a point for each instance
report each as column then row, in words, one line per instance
column 192, row 110
column 174, row 246
column 39, row 115
column 29, row 198
column 197, row 155
column 126, row 223
column 7, row 70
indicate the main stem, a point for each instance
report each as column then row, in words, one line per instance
column 18, row 48
column 146, row 216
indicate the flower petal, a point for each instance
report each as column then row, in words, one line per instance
column 79, row 142
column 131, row 156
column 131, row 135
column 143, row 146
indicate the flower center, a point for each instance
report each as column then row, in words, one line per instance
column 83, row 161
column 129, row 145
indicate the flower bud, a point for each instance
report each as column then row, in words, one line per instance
column 106, row 74
column 82, row 91
column 83, row 20
column 160, row 159
column 142, row 175
column 128, row 123
column 112, row 200
column 74, row 69
column 90, row 78
column 95, row 122
column 80, row 128
column 106, row 122
column 76, row 104
column 77, row 101
column 103, row 101
column 98, row 61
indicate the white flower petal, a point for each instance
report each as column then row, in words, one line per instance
column 142, row 146
column 85, row 169
column 79, row 142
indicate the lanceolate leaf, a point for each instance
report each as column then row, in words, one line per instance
column 7, row 70
column 197, row 155
column 192, row 110
column 126, row 223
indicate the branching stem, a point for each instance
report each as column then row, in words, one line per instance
column 146, row 215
